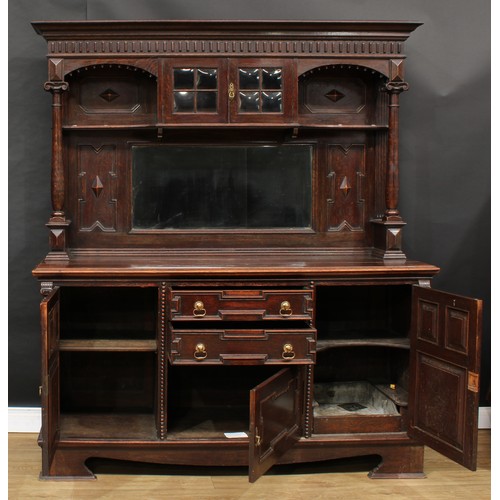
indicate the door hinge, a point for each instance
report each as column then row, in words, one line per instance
column 473, row 382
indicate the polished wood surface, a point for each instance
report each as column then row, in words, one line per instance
column 179, row 278
column 320, row 263
column 341, row 479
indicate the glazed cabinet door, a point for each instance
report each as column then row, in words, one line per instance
column 444, row 393
column 195, row 91
column 50, row 321
column 262, row 91
column 276, row 411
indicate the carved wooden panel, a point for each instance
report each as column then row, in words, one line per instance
column 443, row 324
column 457, row 329
column 97, row 179
column 345, row 179
column 441, row 412
column 111, row 94
column 428, row 321
column 345, row 94
column 339, row 95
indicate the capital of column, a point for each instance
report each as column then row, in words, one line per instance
column 58, row 86
column 396, row 87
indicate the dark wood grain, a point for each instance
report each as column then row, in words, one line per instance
column 158, row 339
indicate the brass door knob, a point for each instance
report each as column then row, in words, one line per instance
column 285, row 308
column 199, row 309
column 288, row 352
column 200, row 352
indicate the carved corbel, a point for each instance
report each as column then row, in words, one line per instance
column 46, row 287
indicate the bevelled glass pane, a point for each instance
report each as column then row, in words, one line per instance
column 183, row 102
column 249, row 78
column 271, row 78
column 222, row 187
column 272, row 102
column 184, row 78
column 249, row 101
column 206, row 102
column 207, row 78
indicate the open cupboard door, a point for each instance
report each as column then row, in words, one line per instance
column 444, row 393
column 49, row 314
column 276, row 411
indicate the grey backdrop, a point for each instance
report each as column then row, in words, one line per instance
column 445, row 142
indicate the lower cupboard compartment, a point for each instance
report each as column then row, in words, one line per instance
column 359, row 390
column 212, row 402
column 108, row 395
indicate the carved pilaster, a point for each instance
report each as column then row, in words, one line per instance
column 57, row 223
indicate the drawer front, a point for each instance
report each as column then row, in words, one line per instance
column 242, row 346
column 240, row 305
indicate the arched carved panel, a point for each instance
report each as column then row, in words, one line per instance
column 112, row 94
column 341, row 94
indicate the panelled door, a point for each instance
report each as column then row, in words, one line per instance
column 276, row 413
column 444, row 393
column 50, row 319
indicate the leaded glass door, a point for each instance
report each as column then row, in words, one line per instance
column 262, row 90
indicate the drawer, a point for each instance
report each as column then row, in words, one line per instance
column 240, row 305
column 242, row 346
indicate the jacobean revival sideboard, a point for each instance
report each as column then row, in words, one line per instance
column 225, row 281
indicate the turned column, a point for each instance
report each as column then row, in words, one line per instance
column 388, row 229
column 57, row 223
column 392, row 172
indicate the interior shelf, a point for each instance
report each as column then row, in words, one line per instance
column 108, row 426
column 402, row 343
column 396, row 393
column 108, row 345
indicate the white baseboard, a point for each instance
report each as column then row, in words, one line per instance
column 30, row 419
column 25, row 419
column 484, row 417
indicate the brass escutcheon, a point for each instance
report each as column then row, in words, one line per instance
column 231, row 92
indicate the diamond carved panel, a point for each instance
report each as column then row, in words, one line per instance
column 334, row 95
column 97, row 200
column 97, row 186
column 109, row 95
column 346, row 165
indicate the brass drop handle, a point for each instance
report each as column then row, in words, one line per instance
column 285, row 308
column 200, row 352
column 199, row 309
column 288, row 352
column 231, row 92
